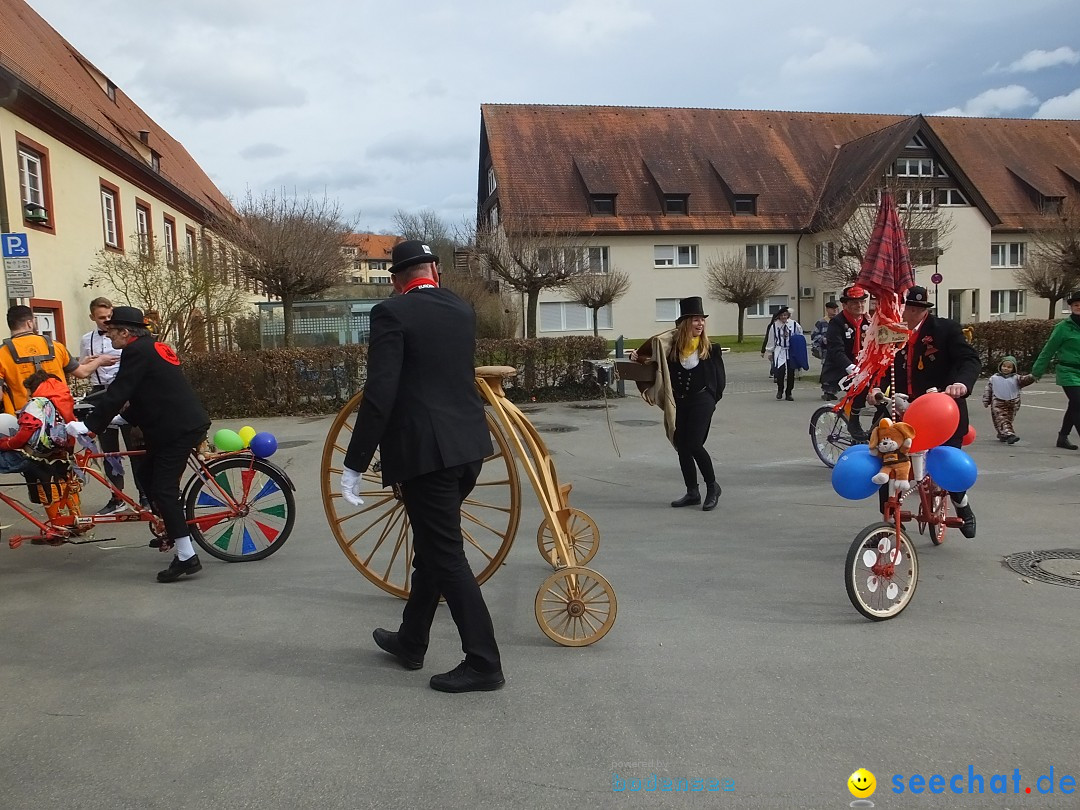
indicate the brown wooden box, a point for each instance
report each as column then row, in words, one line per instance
column 636, row 372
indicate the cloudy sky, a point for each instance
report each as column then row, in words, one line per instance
column 378, row 103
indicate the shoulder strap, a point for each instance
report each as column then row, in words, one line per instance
column 36, row 359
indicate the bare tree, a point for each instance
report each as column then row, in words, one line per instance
column 431, row 229
column 185, row 294
column 530, row 257
column 290, row 244
column 1052, row 267
column 728, row 279
column 925, row 225
column 598, row 290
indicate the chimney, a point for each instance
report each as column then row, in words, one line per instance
column 144, row 136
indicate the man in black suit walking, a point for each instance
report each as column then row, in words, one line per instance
column 422, row 409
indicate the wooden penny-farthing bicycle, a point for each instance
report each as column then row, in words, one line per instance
column 575, row 606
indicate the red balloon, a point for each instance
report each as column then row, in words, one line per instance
column 969, row 437
column 934, row 417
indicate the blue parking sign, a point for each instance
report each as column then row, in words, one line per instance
column 14, row 245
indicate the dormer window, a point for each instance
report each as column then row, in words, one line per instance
column 602, row 205
column 155, row 161
column 110, row 90
column 1050, row 205
column 745, row 204
column 491, row 184
column 676, row 203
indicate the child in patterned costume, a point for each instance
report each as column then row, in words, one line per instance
column 1002, row 397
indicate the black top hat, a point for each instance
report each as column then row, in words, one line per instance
column 918, row 297
column 126, row 316
column 689, row 307
column 854, row 293
column 409, row 253
column 1073, row 297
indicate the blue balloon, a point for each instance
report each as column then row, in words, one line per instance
column 263, row 445
column 951, row 468
column 852, row 474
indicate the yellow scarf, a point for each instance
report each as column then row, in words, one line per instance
column 689, row 346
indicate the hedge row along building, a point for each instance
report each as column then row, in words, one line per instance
column 660, row 194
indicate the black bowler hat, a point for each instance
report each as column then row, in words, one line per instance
column 126, row 316
column 410, row 253
column 831, row 305
column 918, row 297
column 689, row 307
column 1073, row 298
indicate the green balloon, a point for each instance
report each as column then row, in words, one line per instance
column 228, row 440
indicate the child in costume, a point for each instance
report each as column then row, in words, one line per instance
column 1002, row 397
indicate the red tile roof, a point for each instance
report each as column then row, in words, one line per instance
column 548, row 158
column 372, row 245
column 43, row 61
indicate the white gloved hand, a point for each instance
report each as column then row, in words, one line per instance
column 118, row 420
column 350, row 486
column 76, row 429
column 850, row 369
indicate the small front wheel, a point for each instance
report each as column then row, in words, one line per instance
column 881, row 571
column 830, row 435
column 575, row 607
column 243, row 511
column 582, row 535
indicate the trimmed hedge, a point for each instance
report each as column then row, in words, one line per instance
column 315, row 380
column 1022, row 339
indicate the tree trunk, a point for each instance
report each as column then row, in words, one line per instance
column 287, row 316
column 742, row 311
column 1053, row 304
column 596, row 321
column 531, row 301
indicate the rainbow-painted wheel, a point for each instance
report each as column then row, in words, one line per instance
column 244, row 511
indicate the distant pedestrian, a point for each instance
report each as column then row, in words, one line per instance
column 1064, row 344
column 819, row 343
column 779, row 350
column 1002, row 397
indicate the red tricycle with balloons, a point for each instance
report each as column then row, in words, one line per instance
column 882, row 566
column 239, row 505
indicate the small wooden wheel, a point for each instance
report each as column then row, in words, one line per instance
column 575, row 607
column 376, row 537
column 582, row 534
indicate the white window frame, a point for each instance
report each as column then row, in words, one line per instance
column 108, row 216
column 948, row 197
column 596, row 260
column 767, row 306
column 581, row 317
column 1014, row 302
column 1008, row 254
column 491, row 183
column 826, row 254
column 921, row 199
column 772, row 256
column 675, row 256
column 169, row 231
column 914, row 167
column 493, row 216
column 32, row 176
column 142, row 228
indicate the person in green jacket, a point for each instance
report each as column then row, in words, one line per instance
column 1064, row 343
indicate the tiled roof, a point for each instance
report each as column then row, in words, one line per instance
column 45, row 62
column 795, row 162
column 372, row 245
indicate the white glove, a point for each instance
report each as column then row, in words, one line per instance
column 350, row 486
column 76, row 429
column 118, row 420
column 850, row 369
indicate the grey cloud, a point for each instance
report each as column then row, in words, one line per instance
column 203, row 91
column 330, row 178
column 260, row 151
column 413, row 148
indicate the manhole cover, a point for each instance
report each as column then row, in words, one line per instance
column 542, row 428
column 637, row 422
column 294, row 443
column 1058, row 567
column 589, row 406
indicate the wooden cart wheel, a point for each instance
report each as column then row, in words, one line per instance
column 582, row 533
column 575, row 606
column 375, row 536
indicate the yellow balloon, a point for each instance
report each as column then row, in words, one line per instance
column 247, row 433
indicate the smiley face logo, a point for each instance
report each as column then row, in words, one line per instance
column 862, row 784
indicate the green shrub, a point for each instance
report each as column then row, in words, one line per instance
column 1022, row 339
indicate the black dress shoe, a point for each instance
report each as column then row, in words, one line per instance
column 178, row 568
column 1064, row 443
column 789, row 398
column 968, row 529
column 691, row 498
column 464, row 678
column 712, row 495
column 779, row 394
column 388, row 641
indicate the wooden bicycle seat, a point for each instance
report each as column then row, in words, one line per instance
column 496, row 371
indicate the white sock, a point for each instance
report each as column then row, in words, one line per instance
column 184, row 549
column 963, row 501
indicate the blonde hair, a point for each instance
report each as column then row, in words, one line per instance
column 683, row 336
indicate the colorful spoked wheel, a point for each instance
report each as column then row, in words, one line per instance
column 575, row 606
column 243, row 511
column 881, row 571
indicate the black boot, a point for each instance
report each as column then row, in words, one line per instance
column 712, row 495
column 1064, row 443
column 968, row 529
column 691, row 498
column 779, row 393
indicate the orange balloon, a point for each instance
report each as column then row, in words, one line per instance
column 934, row 417
column 969, row 437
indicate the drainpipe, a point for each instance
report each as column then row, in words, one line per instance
column 798, row 279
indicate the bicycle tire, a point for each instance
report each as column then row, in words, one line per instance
column 264, row 521
column 829, row 434
column 872, row 593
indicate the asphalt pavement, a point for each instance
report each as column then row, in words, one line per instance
column 736, row 664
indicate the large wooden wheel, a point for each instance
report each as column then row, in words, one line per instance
column 375, row 536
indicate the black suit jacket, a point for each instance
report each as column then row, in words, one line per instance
column 421, row 407
column 160, row 399
column 840, row 347
column 940, row 357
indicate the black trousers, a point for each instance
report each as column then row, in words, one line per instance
column 440, row 568
column 159, row 477
column 693, row 417
column 1072, row 411
column 110, row 443
column 786, row 370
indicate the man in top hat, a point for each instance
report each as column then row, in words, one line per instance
column 938, row 356
column 154, row 395
column 422, row 411
column 843, row 341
